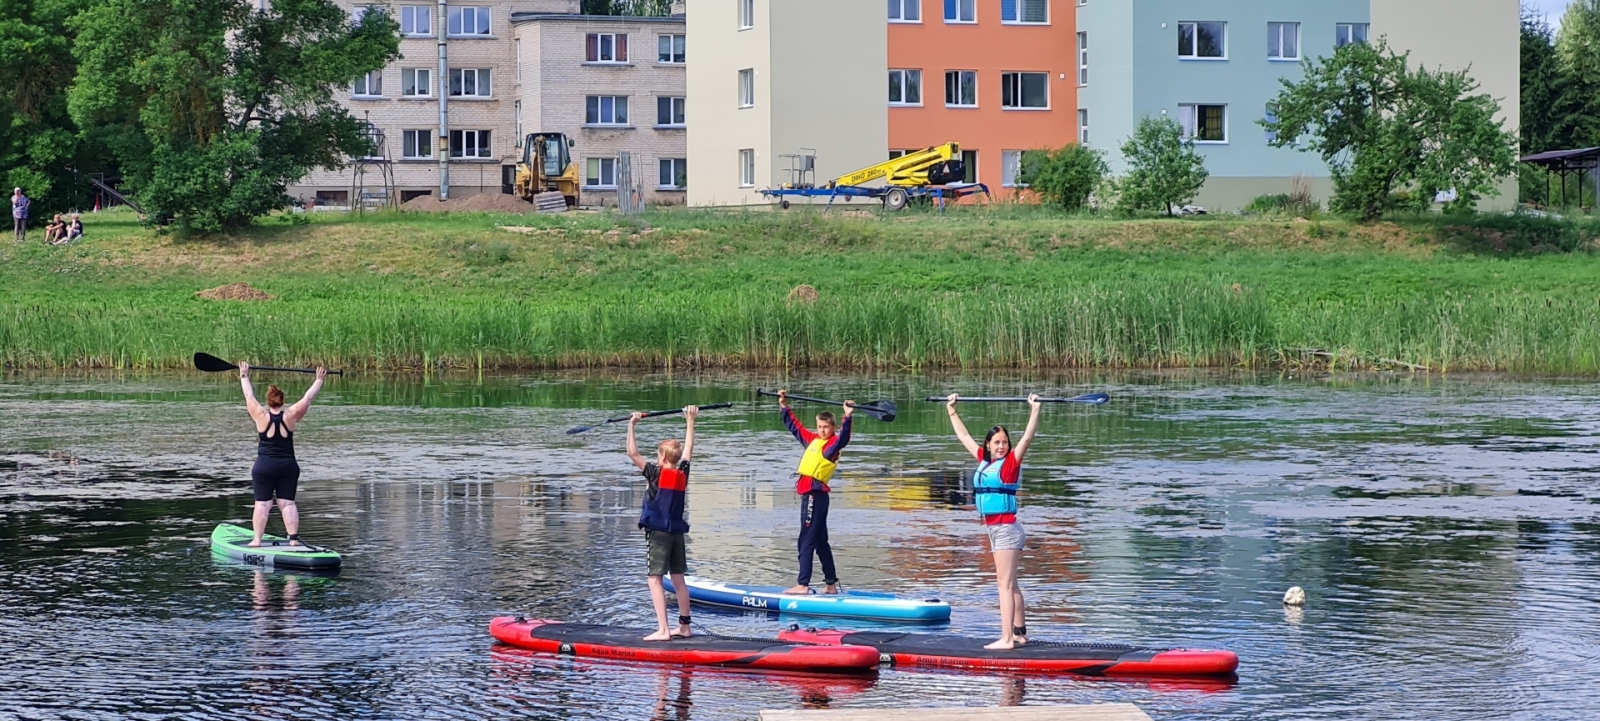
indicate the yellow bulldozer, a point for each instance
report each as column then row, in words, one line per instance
column 547, row 166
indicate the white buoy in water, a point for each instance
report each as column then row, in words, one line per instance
column 1295, row 596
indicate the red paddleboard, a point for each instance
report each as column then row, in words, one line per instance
column 626, row 644
column 958, row 652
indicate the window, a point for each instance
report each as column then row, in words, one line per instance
column 669, row 111
column 905, row 11
column 602, row 173
column 469, row 82
column 1204, row 123
column 1283, row 41
column 516, row 110
column 674, row 173
column 747, row 88
column 417, row 144
column 469, row 143
column 1271, row 117
column 516, row 52
column 969, row 164
column 1011, row 169
column 416, row 20
column 747, row 14
column 1083, row 59
column 369, row 85
column 961, row 88
column 414, row 82
column 747, row 168
column 1026, row 12
column 960, row 11
column 1024, row 90
column 905, row 87
column 1083, row 126
column 606, row 110
column 607, row 48
column 1348, row 33
column 897, row 154
column 469, row 21
column 669, row 49
column 1202, row 40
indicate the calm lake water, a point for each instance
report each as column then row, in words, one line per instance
column 1447, row 534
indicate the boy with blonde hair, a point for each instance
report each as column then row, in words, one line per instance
column 664, row 518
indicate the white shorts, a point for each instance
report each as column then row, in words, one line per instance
column 1006, row 537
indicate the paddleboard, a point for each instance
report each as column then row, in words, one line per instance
column 850, row 604
column 613, row 642
column 274, row 552
column 958, row 652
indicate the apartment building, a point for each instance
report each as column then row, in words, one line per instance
column 1216, row 66
column 473, row 80
column 996, row 76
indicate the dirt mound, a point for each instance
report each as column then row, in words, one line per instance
column 234, row 291
column 493, row 203
column 802, row 294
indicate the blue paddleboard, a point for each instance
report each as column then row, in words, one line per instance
column 850, row 604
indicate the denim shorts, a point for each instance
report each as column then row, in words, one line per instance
column 1006, row 537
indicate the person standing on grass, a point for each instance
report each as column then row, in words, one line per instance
column 816, row 467
column 276, row 472
column 19, row 213
column 994, row 490
column 665, row 520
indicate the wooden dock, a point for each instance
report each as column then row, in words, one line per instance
column 1083, row 712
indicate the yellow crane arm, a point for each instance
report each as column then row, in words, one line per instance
column 909, row 169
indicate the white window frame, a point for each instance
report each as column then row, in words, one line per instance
column 1194, row 26
column 420, row 79
column 897, row 11
column 959, row 74
column 482, row 83
column 747, row 88
column 747, row 14
column 680, row 166
column 516, row 54
column 516, row 110
column 599, row 163
column 1275, row 34
column 599, row 49
column 422, row 13
column 1083, row 126
column 1349, row 30
column 618, row 119
column 747, row 168
column 1083, row 59
column 1017, row 6
column 1015, row 76
column 1189, row 119
column 1271, row 116
column 677, row 49
column 677, row 108
column 457, row 17
column 362, row 88
column 906, row 76
column 1011, row 169
column 957, row 7
column 482, row 143
column 413, row 139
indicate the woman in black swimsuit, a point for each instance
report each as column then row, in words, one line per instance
column 276, row 472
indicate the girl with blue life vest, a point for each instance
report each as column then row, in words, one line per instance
column 665, row 519
column 994, row 490
column 816, row 467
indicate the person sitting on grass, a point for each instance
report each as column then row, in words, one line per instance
column 664, row 518
column 56, row 230
column 74, row 229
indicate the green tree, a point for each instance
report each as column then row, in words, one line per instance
column 1542, row 84
column 1164, row 170
column 213, row 107
column 647, row 8
column 1063, row 177
column 1393, row 137
column 40, row 146
column 1578, row 49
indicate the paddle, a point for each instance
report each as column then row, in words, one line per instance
column 883, row 410
column 651, row 414
column 1090, row 398
column 212, row 364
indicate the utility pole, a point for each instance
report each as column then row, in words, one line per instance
column 443, row 84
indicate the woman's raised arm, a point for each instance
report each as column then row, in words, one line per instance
column 961, row 428
column 1033, row 425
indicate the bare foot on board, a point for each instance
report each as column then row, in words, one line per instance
column 798, row 591
column 831, row 589
column 682, row 632
column 659, row 636
column 1001, row 645
column 254, row 544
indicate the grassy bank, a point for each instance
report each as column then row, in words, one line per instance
column 996, row 287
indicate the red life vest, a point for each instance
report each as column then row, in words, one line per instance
column 664, row 510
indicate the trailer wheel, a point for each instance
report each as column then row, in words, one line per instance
column 896, row 199
column 783, row 204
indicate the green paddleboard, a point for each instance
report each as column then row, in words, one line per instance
column 274, row 552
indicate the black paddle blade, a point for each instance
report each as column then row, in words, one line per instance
column 212, row 364
column 883, row 410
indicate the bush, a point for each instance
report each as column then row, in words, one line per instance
column 1297, row 202
column 1164, row 171
column 1064, row 177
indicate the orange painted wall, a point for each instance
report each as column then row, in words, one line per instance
column 990, row 48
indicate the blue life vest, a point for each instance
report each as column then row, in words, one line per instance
column 992, row 495
column 664, row 511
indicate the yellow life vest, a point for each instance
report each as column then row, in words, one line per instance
column 815, row 465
